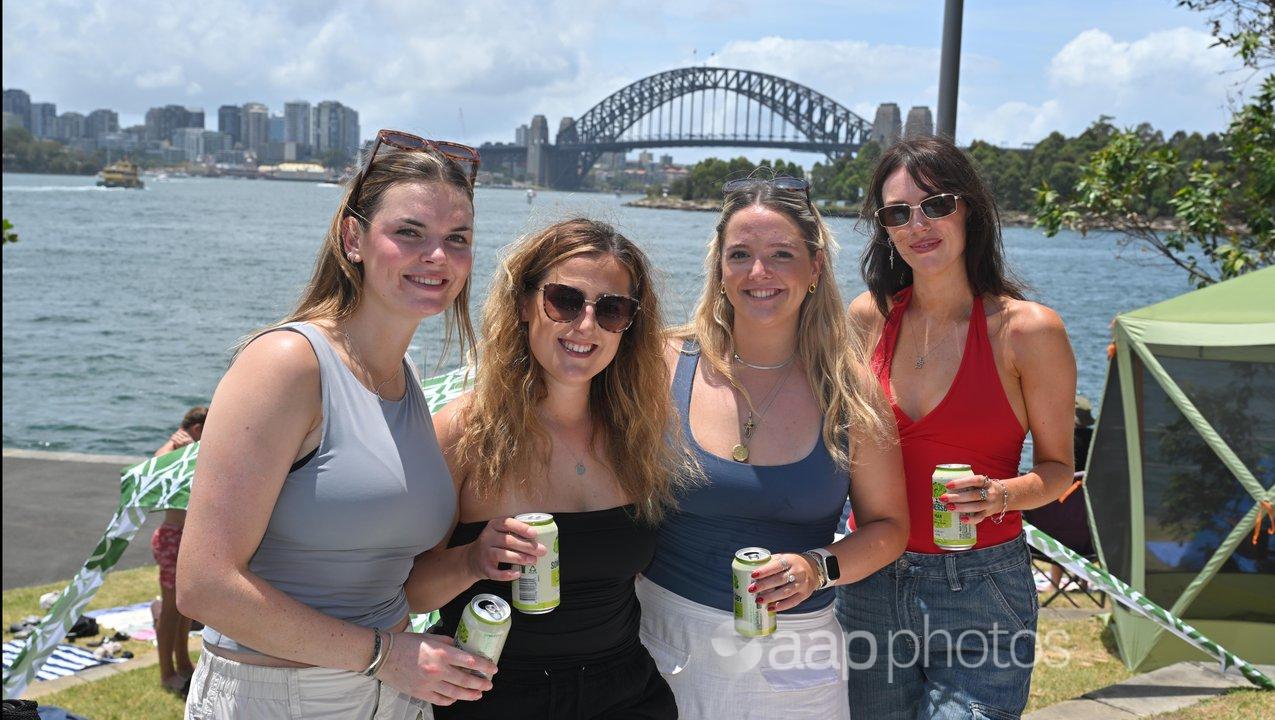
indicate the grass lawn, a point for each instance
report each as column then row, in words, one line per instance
column 1073, row 657
column 1238, row 704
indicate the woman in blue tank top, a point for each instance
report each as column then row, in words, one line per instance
column 779, row 411
column 319, row 479
column 569, row 415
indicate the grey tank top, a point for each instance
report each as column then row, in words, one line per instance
column 350, row 520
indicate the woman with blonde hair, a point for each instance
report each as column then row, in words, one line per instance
column 779, row 411
column 319, row 478
column 569, row 415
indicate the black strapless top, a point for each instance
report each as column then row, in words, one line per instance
column 601, row 551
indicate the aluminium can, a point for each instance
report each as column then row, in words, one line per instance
column 949, row 532
column 484, row 626
column 539, row 589
column 751, row 619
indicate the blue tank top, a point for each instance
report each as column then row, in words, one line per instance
column 353, row 515
column 783, row 508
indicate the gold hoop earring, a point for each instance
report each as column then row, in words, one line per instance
column 722, row 289
column 813, row 285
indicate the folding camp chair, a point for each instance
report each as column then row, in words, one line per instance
column 1066, row 521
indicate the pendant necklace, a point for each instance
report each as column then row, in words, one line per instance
column 739, row 453
column 349, row 350
column 921, row 357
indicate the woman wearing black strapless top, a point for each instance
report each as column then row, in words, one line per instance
column 569, row 415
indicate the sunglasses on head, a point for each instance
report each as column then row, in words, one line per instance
column 613, row 313
column 790, row 184
column 463, row 155
column 934, row 207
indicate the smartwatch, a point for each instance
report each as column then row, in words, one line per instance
column 831, row 570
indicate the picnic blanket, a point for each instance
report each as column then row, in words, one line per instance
column 66, row 660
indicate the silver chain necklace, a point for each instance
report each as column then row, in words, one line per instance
column 349, row 345
column 745, row 363
column 922, row 357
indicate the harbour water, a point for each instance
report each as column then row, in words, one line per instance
column 120, row 306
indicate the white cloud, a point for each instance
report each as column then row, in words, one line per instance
column 167, row 78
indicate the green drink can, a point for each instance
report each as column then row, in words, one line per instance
column 949, row 532
column 751, row 619
column 538, row 590
column 484, row 626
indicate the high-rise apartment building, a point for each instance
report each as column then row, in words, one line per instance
column 276, row 128
column 101, row 122
column 256, row 127
column 920, row 122
column 44, row 120
column 162, row 121
column 297, row 125
column 230, row 122
column 520, row 134
column 886, row 126
column 18, row 103
column 336, row 130
column 70, row 126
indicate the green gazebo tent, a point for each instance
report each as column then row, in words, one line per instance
column 1181, row 469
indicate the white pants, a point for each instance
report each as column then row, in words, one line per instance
column 227, row 690
column 715, row 673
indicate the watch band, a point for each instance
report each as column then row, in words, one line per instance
column 828, row 571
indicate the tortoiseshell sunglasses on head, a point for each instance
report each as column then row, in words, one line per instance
column 463, row 155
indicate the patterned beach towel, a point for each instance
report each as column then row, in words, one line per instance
column 66, row 660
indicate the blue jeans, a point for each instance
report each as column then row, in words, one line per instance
column 942, row 636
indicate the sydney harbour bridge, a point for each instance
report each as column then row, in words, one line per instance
column 688, row 107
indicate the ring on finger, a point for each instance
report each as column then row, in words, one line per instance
column 982, row 493
column 783, row 563
column 790, row 578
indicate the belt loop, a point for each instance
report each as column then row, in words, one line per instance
column 953, row 578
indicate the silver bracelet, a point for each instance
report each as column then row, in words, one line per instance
column 377, row 655
column 813, row 558
column 1005, row 504
column 389, row 647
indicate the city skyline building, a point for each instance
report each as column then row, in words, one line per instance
column 162, row 121
column 336, row 130
column 230, row 122
column 101, row 122
column 70, row 126
column 44, row 120
column 18, row 103
column 298, row 126
column 277, row 129
column 520, row 134
column 256, row 127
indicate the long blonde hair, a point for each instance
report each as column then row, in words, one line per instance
column 503, row 441
column 336, row 284
column 832, row 355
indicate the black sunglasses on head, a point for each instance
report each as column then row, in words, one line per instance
column 613, row 313
column 935, row 207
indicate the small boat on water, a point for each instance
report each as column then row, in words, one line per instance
column 123, row 173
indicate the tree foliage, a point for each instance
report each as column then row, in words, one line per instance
column 9, row 235
column 24, row 153
column 706, row 177
column 1247, row 27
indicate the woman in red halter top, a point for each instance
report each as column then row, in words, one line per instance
column 969, row 367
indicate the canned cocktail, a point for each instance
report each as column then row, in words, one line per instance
column 751, row 619
column 949, row 532
column 484, row 626
column 538, row 590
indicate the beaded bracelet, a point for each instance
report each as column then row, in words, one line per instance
column 1005, row 504
column 377, row 656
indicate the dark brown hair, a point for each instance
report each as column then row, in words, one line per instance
column 194, row 416
column 937, row 166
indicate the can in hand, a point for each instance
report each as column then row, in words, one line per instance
column 538, row 590
column 751, row 619
column 949, row 532
column 484, row 626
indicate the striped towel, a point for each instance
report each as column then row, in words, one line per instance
column 66, row 660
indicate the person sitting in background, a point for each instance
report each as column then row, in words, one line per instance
column 171, row 627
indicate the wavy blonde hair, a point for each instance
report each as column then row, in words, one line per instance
column 833, row 356
column 503, row 441
column 336, row 284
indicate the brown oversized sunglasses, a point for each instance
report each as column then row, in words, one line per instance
column 613, row 313
column 463, row 155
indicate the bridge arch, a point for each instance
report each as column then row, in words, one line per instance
column 826, row 125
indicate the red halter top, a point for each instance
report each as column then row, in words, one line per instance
column 972, row 424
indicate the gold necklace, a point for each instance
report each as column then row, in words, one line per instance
column 739, row 453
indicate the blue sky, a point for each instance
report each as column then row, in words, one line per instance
column 474, row 70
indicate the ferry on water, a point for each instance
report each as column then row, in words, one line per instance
column 123, row 174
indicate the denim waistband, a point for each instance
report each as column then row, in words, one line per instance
column 982, row 561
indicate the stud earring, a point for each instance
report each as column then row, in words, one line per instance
column 352, row 256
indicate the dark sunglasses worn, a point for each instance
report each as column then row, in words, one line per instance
column 790, row 184
column 463, row 155
column 900, row 214
column 613, row 313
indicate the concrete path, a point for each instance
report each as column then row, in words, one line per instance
column 1159, row 691
column 55, row 508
